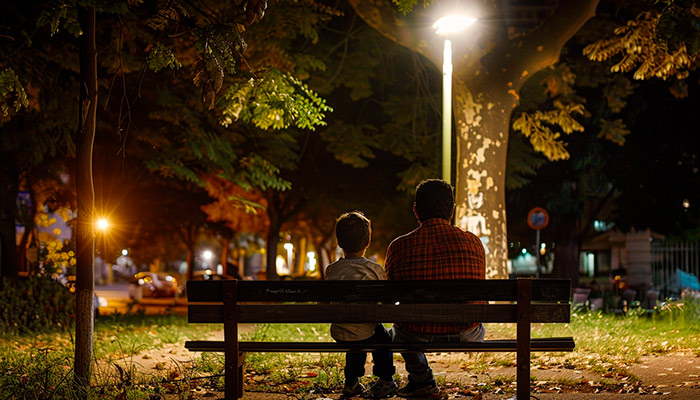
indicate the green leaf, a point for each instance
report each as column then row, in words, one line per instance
column 273, row 101
column 160, row 57
column 12, row 94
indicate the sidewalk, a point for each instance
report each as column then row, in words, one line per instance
column 672, row 377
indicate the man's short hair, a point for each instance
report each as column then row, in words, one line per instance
column 353, row 231
column 434, row 199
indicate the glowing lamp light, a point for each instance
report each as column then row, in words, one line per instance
column 452, row 24
column 207, row 254
column 289, row 247
column 102, row 224
column 125, row 252
column 312, row 260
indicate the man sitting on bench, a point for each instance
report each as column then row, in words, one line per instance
column 435, row 250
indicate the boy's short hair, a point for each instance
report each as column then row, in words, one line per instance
column 434, row 199
column 353, row 231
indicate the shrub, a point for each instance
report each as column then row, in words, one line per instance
column 37, row 303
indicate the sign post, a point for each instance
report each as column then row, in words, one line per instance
column 537, row 219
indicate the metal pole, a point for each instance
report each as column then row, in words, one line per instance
column 537, row 252
column 447, row 113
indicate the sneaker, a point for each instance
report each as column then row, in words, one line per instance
column 354, row 390
column 426, row 392
column 381, row 389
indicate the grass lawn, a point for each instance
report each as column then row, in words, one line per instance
column 39, row 366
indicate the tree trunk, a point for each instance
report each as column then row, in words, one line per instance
column 22, row 249
column 481, row 132
column 189, row 238
column 9, row 181
column 566, row 253
column 225, row 242
column 189, row 259
column 273, row 239
column 273, row 235
column 85, row 237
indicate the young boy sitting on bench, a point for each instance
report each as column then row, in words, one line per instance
column 353, row 231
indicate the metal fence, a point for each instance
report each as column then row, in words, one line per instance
column 666, row 258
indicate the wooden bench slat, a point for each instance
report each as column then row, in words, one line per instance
column 539, row 344
column 437, row 291
column 315, row 313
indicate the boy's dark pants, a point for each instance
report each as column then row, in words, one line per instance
column 383, row 360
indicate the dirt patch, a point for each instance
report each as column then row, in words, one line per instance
column 675, row 376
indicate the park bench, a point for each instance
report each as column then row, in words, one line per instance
column 523, row 301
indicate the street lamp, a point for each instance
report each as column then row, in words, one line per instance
column 447, row 26
column 102, row 225
column 207, row 255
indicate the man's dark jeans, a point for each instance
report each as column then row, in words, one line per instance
column 383, row 360
column 416, row 363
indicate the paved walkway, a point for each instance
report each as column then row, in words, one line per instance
column 666, row 377
column 669, row 377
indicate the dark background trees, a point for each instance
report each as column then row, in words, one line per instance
column 382, row 134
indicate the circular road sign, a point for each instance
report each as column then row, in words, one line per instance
column 537, row 218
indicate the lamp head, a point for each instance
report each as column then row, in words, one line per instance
column 452, row 24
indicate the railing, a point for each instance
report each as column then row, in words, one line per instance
column 666, row 258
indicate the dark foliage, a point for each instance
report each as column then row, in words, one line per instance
column 35, row 304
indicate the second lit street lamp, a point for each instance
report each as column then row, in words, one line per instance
column 447, row 26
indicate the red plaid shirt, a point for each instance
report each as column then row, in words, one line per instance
column 436, row 250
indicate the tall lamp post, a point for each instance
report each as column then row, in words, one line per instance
column 447, row 26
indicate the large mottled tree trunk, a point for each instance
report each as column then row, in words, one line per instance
column 85, row 237
column 489, row 70
column 482, row 141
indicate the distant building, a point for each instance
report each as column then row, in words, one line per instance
column 615, row 250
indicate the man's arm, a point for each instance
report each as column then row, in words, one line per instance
column 389, row 263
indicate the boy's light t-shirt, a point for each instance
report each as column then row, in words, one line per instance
column 359, row 269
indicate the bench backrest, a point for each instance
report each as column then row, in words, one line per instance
column 378, row 301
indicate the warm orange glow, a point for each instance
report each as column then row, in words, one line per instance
column 102, row 224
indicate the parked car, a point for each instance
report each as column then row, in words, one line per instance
column 207, row 275
column 153, row 284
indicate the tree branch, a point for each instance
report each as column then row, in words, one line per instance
column 383, row 17
column 547, row 40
